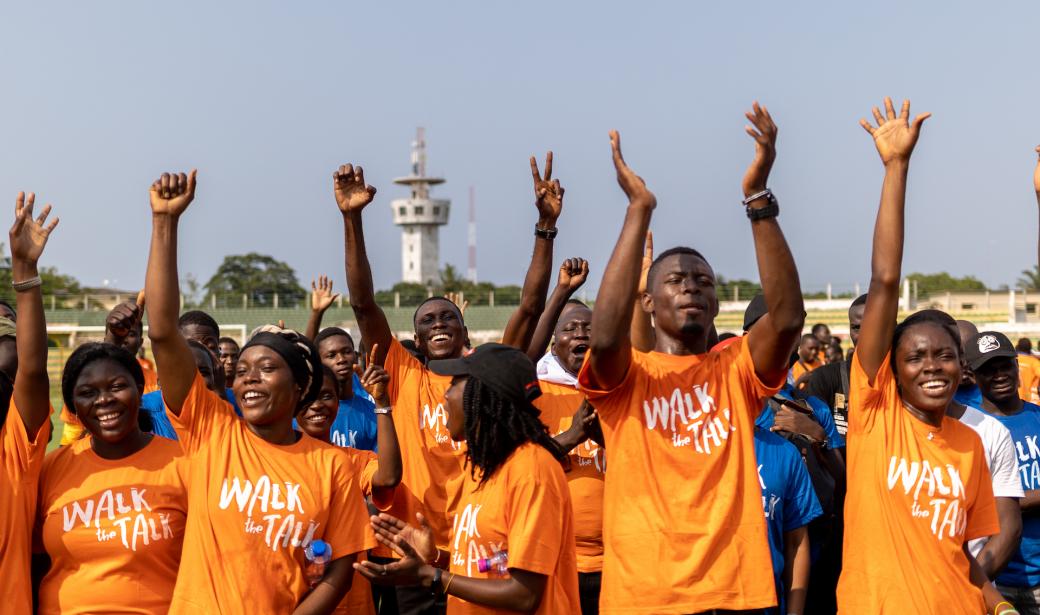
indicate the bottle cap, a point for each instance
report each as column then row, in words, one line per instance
column 483, row 565
column 319, row 547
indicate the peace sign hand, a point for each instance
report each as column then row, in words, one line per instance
column 172, row 193
column 352, row 194
column 633, row 185
column 895, row 137
column 374, row 379
column 548, row 193
column 28, row 237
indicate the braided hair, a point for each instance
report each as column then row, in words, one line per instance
column 496, row 426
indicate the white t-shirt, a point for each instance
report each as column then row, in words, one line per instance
column 1000, row 458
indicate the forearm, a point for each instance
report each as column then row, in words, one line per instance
column 327, row 595
column 1031, row 502
column 641, row 331
column 796, row 569
column 371, row 320
column 314, row 324
column 388, row 475
column 31, row 385
column 547, row 322
column 998, row 550
column 779, row 275
column 522, row 323
column 569, row 439
column 508, row 594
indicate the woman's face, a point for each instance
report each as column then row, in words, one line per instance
column 928, row 367
column 106, row 400
column 453, row 402
column 264, row 387
column 316, row 420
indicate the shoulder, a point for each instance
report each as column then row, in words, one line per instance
column 768, row 441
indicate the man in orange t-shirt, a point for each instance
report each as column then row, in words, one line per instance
column 1028, row 371
column 683, row 529
column 809, row 358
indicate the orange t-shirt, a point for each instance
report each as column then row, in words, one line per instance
column 918, row 496
column 558, row 404
column 255, row 506
column 358, row 600
column 683, row 529
column 112, row 528
column 73, row 430
column 800, row 368
column 1028, row 378
column 429, row 456
column 22, row 461
column 525, row 510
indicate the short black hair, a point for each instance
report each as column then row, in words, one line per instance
column 1024, row 345
column 819, row 327
column 437, row 298
column 860, row 300
column 9, row 306
column 328, row 332
column 666, row 254
column 229, row 340
column 576, row 302
column 934, row 317
column 806, row 337
column 198, row 318
column 97, row 351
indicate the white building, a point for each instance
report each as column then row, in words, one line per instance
column 419, row 216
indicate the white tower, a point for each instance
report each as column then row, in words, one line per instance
column 419, row 217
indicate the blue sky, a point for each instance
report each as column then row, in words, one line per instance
column 267, row 98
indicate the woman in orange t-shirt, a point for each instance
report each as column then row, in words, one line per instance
column 922, row 488
column 512, row 541
column 260, row 492
column 112, row 505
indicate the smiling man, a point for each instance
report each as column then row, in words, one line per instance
column 355, row 424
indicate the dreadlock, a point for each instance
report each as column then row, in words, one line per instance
column 495, row 427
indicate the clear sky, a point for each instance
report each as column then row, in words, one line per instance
column 267, row 98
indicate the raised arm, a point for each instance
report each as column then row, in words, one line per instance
column 549, row 200
column 170, row 196
column 642, row 329
column 374, row 380
column 895, row 138
column 322, row 299
column 773, row 336
column 610, row 348
column 31, row 385
column 352, row 195
column 573, row 273
column 1036, row 188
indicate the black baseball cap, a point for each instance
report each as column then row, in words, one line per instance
column 756, row 309
column 504, row 369
column 988, row 345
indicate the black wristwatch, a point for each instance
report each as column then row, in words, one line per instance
column 546, row 233
column 771, row 210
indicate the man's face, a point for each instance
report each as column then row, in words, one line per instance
column 203, row 335
column 439, row 332
column 809, row 350
column 855, row 321
column 133, row 340
column 572, row 337
column 338, row 354
column 823, row 336
column 227, row 352
column 998, row 379
column 682, row 297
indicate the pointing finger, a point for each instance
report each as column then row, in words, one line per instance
column 372, row 355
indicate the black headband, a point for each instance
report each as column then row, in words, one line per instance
column 299, row 355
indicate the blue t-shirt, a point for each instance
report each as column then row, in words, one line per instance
column 1024, row 568
column 787, row 497
column 821, row 412
column 152, row 404
column 969, row 396
column 355, row 424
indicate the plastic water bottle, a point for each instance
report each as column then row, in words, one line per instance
column 496, row 565
column 318, row 554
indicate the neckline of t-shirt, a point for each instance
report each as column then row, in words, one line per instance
column 925, row 429
column 677, row 358
column 121, row 460
column 277, row 447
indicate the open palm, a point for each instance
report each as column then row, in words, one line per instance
column 28, row 236
column 895, row 137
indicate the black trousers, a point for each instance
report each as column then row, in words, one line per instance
column 588, row 592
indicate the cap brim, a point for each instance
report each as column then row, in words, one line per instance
column 450, row 367
column 986, row 358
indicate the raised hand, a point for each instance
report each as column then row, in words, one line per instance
column 458, row 300
column 1036, row 172
column 763, row 131
column 172, row 193
column 633, row 185
column 28, row 236
column 547, row 191
column 648, row 261
column 352, row 194
column 895, row 137
column 123, row 319
column 322, row 296
column 374, row 379
column 573, row 273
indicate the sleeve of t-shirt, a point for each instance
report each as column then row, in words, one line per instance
column 22, row 457
column 800, row 502
column 741, row 368
column 382, row 498
column 348, row 530
column 1004, row 466
column 399, row 364
column 535, row 504
column 204, row 415
column 982, row 510
column 825, row 418
column 619, row 397
column 866, row 400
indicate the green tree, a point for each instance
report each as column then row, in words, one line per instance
column 1030, row 278
column 257, row 276
column 745, row 289
column 930, row 283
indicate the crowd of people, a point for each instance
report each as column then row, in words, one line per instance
column 762, row 471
